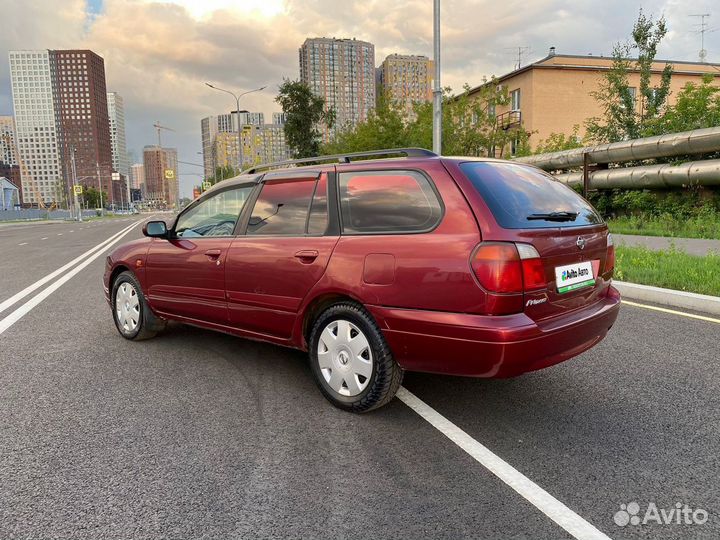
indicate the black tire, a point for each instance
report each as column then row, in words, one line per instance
column 386, row 375
column 148, row 324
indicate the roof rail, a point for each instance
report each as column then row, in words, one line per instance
column 344, row 158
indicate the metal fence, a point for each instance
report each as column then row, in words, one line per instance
column 39, row 214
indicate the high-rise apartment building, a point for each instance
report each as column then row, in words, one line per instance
column 36, row 134
column 279, row 118
column 82, row 117
column 137, row 176
column 116, row 112
column 342, row 72
column 406, row 79
column 162, row 189
column 7, row 141
column 60, row 102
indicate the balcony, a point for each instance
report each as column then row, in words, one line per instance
column 508, row 120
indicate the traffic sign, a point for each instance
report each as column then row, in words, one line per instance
column 77, row 189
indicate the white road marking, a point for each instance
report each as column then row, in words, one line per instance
column 24, row 309
column 72, row 230
column 22, row 294
column 537, row 496
column 22, row 244
column 59, row 234
column 45, row 238
column 673, row 312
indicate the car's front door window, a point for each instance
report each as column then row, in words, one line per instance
column 215, row 216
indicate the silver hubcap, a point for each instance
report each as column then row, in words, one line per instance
column 127, row 307
column 345, row 358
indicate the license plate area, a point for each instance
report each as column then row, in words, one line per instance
column 572, row 277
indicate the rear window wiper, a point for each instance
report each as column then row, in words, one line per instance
column 555, row 216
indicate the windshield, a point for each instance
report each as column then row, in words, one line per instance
column 522, row 197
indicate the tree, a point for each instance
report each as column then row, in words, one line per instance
column 223, row 173
column 557, row 142
column 305, row 112
column 91, row 196
column 470, row 127
column 627, row 115
column 697, row 106
column 384, row 128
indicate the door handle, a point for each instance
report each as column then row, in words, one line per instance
column 213, row 254
column 307, row 256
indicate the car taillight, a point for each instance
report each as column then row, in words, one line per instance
column 498, row 268
column 610, row 258
column 504, row 267
column 533, row 269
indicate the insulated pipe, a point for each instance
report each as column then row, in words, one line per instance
column 664, row 176
column 698, row 141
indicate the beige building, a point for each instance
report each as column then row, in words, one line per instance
column 553, row 95
column 406, row 79
column 261, row 144
column 137, row 176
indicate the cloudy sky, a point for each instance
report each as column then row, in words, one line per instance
column 158, row 54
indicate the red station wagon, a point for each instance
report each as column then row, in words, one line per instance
column 462, row 266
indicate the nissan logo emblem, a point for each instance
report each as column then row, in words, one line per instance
column 580, row 243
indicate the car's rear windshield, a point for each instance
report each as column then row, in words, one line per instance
column 522, row 197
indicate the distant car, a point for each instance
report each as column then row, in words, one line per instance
column 462, row 266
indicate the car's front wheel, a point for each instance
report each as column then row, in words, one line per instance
column 133, row 318
column 351, row 361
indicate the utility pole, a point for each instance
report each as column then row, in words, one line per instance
column 78, row 208
column 97, row 170
column 437, row 89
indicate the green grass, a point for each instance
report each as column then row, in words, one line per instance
column 703, row 225
column 670, row 269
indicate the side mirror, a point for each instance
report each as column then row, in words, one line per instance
column 155, row 229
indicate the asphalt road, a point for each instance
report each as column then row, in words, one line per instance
column 201, row 435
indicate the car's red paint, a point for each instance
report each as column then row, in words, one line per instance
column 419, row 287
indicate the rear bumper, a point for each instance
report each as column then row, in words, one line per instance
column 492, row 346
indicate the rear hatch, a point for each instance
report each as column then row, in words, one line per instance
column 568, row 235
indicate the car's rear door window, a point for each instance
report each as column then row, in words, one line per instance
column 522, row 197
column 387, row 202
column 282, row 207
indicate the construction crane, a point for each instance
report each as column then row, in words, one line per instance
column 159, row 127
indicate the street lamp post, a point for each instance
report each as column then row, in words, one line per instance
column 97, row 170
column 78, row 208
column 437, row 90
column 237, row 108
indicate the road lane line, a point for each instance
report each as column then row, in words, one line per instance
column 22, row 294
column 673, row 312
column 44, row 238
column 24, row 309
column 22, row 244
column 534, row 494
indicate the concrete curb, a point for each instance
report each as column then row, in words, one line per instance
column 669, row 297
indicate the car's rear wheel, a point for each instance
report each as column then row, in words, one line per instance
column 133, row 318
column 351, row 361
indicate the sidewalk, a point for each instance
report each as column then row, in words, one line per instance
column 691, row 246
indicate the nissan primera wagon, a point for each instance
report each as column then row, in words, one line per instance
column 462, row 266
